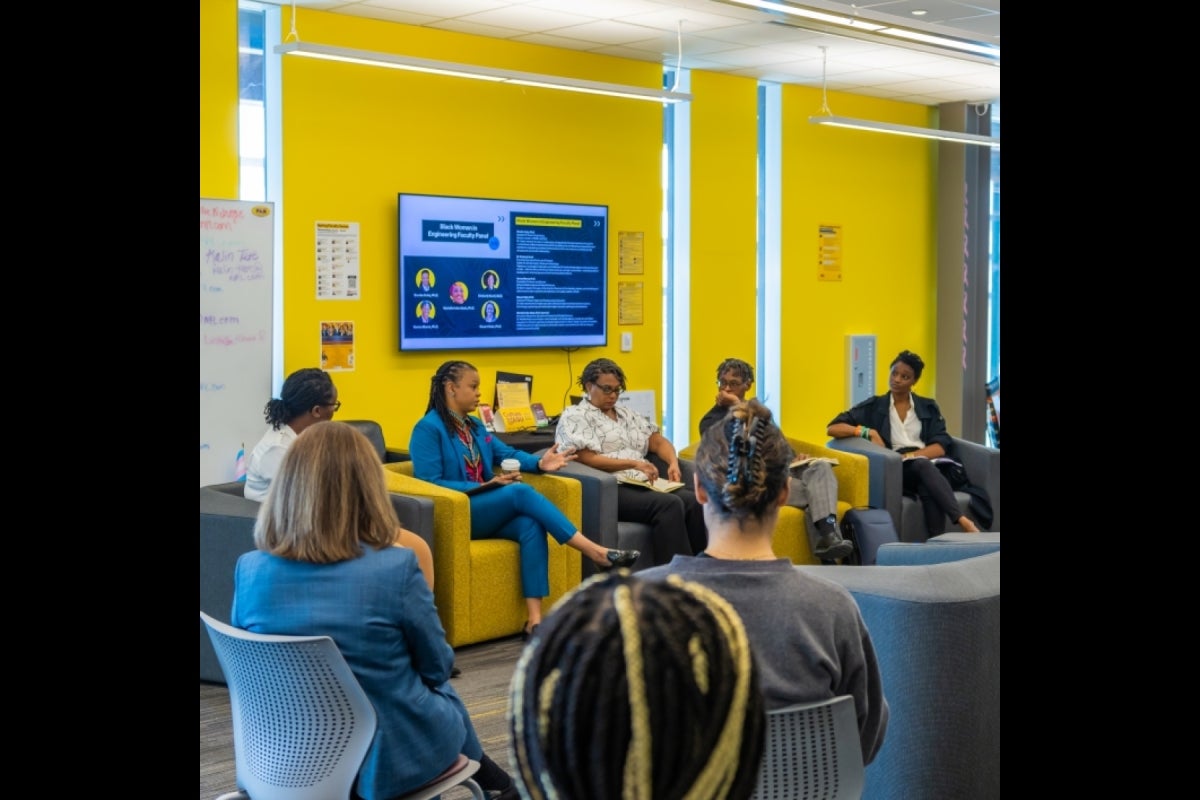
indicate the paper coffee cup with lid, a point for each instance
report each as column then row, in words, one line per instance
column 510, row 465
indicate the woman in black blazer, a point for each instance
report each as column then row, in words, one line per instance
column 914, row 427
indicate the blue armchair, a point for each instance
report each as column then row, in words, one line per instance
column 936, row 631
column 982, row 464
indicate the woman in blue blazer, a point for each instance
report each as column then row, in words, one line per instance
column 451, row 448
column 327, row 563
column 914, row 427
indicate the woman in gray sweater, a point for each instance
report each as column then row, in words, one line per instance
column 807, row 634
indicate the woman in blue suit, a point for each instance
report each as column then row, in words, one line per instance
column 451, row 448
column 327, row 563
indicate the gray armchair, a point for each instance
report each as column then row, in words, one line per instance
column 227, row 530
column 374, row 432
column 936, row 630
column 600, row 511
column 982, row 464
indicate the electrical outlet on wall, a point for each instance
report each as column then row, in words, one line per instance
column 626, row 342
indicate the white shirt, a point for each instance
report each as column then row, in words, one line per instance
column 264, row 461
column 906, row 433
column 586, row 427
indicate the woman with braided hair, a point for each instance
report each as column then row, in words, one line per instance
column 451, row 448
column 808, row 635
column 308, row 396
column 637, row 689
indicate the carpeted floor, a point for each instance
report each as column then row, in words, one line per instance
column 483, row 686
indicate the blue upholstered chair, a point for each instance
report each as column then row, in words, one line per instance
column 982, row 464
column 936, row 630
column 939, row 549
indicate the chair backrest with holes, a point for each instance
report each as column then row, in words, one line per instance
column 812, row 752
column 301, row 722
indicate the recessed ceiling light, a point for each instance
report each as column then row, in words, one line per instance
column 919, row 12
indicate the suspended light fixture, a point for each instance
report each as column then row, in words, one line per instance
column 827, row 117
column 450, row 68
column 880, row 30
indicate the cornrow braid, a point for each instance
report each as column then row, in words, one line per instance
column 451, row 371
column 638, row 689
column 743, row 463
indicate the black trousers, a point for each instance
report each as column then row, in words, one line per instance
column 922, row 478
column 676, row 519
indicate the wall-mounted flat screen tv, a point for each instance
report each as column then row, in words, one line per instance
column 479, row 273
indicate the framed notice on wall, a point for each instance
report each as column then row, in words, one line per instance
column 829, row 252
column 630, row 304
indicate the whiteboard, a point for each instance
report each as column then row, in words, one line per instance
column 236, row 274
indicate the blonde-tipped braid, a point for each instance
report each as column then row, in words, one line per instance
column 637, row 690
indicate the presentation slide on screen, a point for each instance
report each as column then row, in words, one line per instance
column 480, row 273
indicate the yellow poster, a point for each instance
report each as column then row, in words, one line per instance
column 513, row 412
column 631, row 252
column 829, row 253
column 630, row 305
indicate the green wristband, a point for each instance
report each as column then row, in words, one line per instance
column 866, row 434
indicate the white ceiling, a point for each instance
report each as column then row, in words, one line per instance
column 722, row 36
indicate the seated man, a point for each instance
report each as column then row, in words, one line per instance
column 814, row 488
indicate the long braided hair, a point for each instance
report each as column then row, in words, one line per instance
column 743, row 462
column 302, row 390
column 452, row 372
column 644, row 690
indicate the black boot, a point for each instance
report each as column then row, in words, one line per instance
column 830, row 544
column 495, row 782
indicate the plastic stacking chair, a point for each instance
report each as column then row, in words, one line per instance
column 302, row 724
column 812, row 752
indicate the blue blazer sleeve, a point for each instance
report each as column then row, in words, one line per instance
column 436, row 457
column 432, row 657
column 502, row 450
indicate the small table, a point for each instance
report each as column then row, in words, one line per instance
column 530, row 441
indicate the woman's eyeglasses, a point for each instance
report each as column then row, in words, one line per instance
column 607, row 389
column 730, row 384
column 335, row 405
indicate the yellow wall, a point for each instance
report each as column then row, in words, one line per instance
column 881, row 191
column 723, row 252
column 355, row 136
column 218, row 99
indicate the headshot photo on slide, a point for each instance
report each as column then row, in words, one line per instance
column 425, row 280
column 490, row 280
column 458, row 293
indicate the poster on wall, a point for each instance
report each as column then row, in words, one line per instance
column 829, row 253
column 337, row 260
column 337, row 346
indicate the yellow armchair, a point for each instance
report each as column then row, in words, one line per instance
column 791, row 533
column 477, row 584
